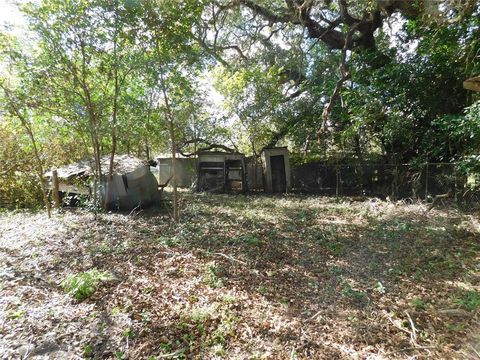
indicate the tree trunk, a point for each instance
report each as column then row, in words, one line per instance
column 171, row 130
column 115, row 102
column 344, row 76
column 55, row 190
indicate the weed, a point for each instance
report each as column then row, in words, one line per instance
column 229, row 299
column 352, row 294
column 380, row 288
column 212, row 275
column 470, row 300
column 116, row 310
column 146, row 316
column 336, row 270
column 248, row 239
column 166, row 347
column 334, row 248
column 214, row 324
column 128, row 333
column 88, row 350
column 263, row 290
column 102, row 248
column 225, row 329
column 458, row 327
column 83, row 285
column 418, row 304
column 219, row 350
column 13, row 315
column 166, row 241
column 149, row 289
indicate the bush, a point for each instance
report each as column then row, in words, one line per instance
column 83, row 285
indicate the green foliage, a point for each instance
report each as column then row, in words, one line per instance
column 356, row 296
column 334, row 247
column 120, row 355
column 212, row 275
column 469, row 300
column 88, row 350
column 92, row 78
column 82, row 285
column 418, row 304
column 18, row 314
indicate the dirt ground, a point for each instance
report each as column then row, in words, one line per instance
column 244, row 277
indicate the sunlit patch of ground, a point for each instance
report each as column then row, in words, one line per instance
column 244, row 277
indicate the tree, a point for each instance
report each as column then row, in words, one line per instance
column 165, row 30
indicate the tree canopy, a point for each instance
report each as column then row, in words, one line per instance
column 379, row 80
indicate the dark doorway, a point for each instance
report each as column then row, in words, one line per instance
column 279, row 179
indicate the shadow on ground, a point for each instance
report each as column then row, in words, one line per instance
column 262, row 277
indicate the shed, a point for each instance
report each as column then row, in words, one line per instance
column 132, row 183
column 221, row 171
column 185, row 169
column 276, row 170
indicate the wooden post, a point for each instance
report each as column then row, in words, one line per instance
column 244, row 176
column 426, row 181
column 337, row 180
column 56, row 190
column 455, row 185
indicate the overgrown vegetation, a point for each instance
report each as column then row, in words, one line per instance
column 244, row 277
column 347, row 83
column 381, row 83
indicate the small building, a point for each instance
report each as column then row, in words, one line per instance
column 221, row 172
column 132, row 183
column 276, row 170
column 185, row 170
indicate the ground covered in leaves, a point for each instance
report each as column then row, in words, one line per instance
column 242, row 277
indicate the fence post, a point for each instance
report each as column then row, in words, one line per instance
column 455, row 182
column 56, row 189
column 426, row 181
column 395, row 182
column 337, row 175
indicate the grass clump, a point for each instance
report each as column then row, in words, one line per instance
column 82, row 285
column 418, row 304
column 470, row 300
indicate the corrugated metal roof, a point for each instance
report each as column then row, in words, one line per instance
column 122, row 164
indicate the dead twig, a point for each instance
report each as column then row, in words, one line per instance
column 173, row 354
column 316, row 315
column 231, row 258
column 413, row 333
column 410, row 349
column 437, row 198
column 398, row 326
column 134, row 211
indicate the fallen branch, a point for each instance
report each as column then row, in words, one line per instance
column 172, row 355
column 398, row 326
column 413, row 333
column 316, row 315
column 134, row 211
column 162, row 186
column 231, row 258
column 438, row 197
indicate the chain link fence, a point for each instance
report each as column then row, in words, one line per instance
column 400, row 181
